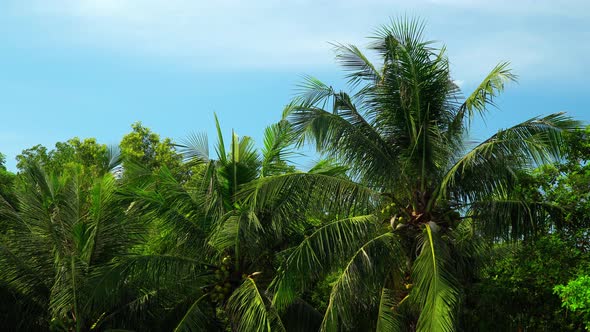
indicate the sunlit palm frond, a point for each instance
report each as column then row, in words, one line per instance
column 220, row 147
column 250, row 310
column 277, row 149
column 434, row 289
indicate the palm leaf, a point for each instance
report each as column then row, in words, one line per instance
column 435, row 289
column 491, row 166
column 387, row 319
column 359, row 66
column 483, row 96
column 250, row 310
column 317, row 254
column 278, row 138
column 363, row 272
column 194, row 319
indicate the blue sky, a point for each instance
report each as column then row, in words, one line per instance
column 90, row 68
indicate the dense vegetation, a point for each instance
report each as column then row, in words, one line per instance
column 403, row 225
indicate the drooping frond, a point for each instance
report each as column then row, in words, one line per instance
column 318, row 253
column 300, row 316
column 491, row 166
column 108, row 283
column 387, row 319
column 360, row 279
column 250, row 310
column 509, row 217
column 195, row 319
column 345, row 135
column 435, row 290
column 287, row 193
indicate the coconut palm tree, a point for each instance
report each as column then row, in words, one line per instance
column 58, row 237
column 422, row 195
column 207, row 219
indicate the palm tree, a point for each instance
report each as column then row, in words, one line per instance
column 59, row 237
column 422, row 195
column 207, row 219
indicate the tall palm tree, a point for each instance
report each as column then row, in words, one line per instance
column 422, row 194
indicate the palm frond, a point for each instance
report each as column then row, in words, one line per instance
column 239, row 231
column 317, row 254
column 250, row 310
column 300, row 316
column 387, row 319
column 114, row 158
column 288, row 193
column 491, row 166
column 435, row 290
column 359, row 67
column 483, row 96
column 360, row 279
column 346, row 136
column 278, row 139
column 195, row 147
column 194, row 319
column 107, row 284
column 220, row 147
column 509, row 217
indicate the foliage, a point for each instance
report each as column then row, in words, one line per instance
column 576, row 296
column 94, row 159
column 209, row 218
column 516, row 291
column 142, row 146
column 7, row 179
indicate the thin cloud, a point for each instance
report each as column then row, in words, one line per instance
column 231, row 34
